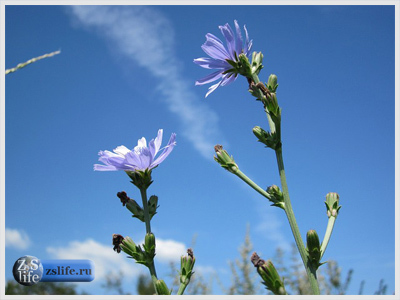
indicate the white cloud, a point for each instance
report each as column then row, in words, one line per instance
column 203, row 269
column 103, row 256
column 169, row 250
column 108, row 261
column 146, row 37
column 17, row 239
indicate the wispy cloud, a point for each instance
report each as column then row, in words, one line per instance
column 106, row 260
column 169, row 250
column 145, row 36
column 103, row 256
column 17, row 239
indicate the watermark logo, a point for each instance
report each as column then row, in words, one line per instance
column 29, row 270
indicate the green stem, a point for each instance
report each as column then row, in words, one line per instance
column 152, row 269
column 143, row 193
column 256, row 80
column 182, row 288
column 311, row 273
column 328, row 233
column 246, row 179
column 153, row 274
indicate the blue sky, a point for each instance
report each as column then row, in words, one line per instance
column 125, row 72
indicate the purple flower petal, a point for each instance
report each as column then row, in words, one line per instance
column 211, row 63
column 230, row 40
column 132, row 158
column 209, row 78
column 97, row 167
column 121, row 150
column 247, row 45
column 214, row 47
column 166, row 152
column 141, row 144
column 228, row 80
column 117, row 162
column 140, row 158
column 219, row 54
column 212, row 38
column 239, row 39
column 154, row 145
column 213, row 88
column 213, row 52
column 145, row 159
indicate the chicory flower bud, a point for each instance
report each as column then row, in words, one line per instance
column 332, row 204
column 150, row 246
column 256, row 62
column 276, row 196
column 313, row 249
column 161, row 288
column 272, row 84
column 225, row 160
column 269, row 274
column 187, row 264
column 271, row 140
column 153, row 205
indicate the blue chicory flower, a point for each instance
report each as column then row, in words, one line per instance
column 139, row 158
column 219, row 54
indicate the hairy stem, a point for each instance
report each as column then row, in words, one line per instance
column 260, row 95
column 328, row 233
column 152, row 268
column 311, row 273
column 143, row 193
column 246, row 179
column 182, row 288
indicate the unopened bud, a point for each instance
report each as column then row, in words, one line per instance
column 187, row 264
column 150, row 245
column 153, row 205
column 261, row 134
column 128, row 246
column 269, row 274
column 256, row 62
column 332, row 204
column 272, row 84
column 270, row 140
column 135, row 209
column 226, row 161
column 313, row 248
column 276, row 196
column 275, row 192
column 162, row 288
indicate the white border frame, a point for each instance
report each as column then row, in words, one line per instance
column 4, row 3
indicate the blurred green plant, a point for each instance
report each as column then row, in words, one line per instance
column 331, row 278
column 43, row 288
column 243, row 278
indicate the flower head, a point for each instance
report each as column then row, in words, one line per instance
column 140, row 158
column 222, row 58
